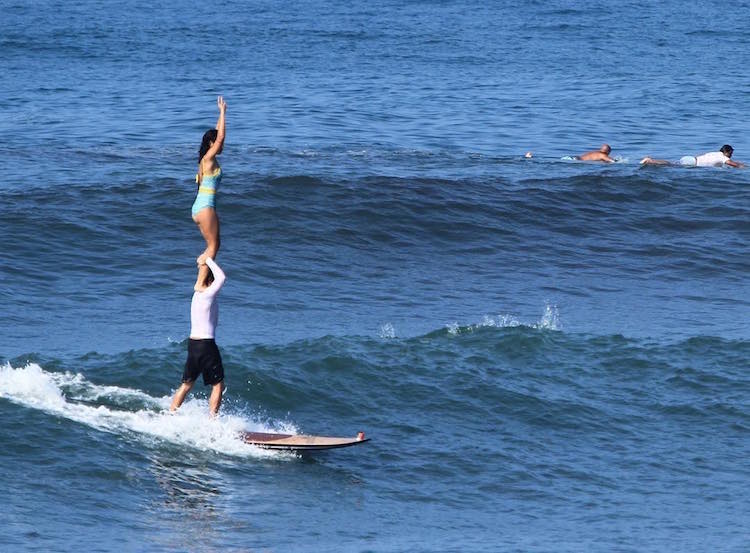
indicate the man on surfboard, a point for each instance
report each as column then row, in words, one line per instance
column 203, row 354
column 602, row 154
column 711, row 159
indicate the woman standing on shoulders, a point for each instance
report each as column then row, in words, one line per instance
column 208, row 179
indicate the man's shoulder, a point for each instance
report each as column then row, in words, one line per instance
column 593, row 156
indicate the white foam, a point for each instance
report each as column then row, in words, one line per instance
column 387, row 331
column 501, row 321
column 550, row 320
column 60, row 394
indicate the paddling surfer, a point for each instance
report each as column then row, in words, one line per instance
column 602, row 154
column 203, row 353
column 711, row 159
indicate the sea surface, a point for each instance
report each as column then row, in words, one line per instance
column 548, row 355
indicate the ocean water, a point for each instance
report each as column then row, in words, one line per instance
column 548, row 355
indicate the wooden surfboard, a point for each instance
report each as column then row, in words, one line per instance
column 299, row 442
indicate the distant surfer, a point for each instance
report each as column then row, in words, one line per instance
column 208, row 179
column 602, row 154
column 203, row 353
column 711, row 159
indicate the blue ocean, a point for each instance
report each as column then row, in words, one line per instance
column 548, row 355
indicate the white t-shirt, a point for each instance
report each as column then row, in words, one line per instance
column 204, row 309
column 711, row 159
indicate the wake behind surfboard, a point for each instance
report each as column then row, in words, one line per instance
column 299, row 442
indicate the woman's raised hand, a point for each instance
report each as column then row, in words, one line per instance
column 221, row 103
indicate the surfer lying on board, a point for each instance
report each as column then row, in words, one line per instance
column 208, row 179
column 711, row 159
column 203, row 354
column 602, row 154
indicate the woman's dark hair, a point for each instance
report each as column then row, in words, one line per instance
column 209, row 137
column 727, row 150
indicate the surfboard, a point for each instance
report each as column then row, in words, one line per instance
column 300, row 442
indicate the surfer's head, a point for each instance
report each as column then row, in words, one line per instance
column 209, row 137
column 605, row 149
column 727, row 150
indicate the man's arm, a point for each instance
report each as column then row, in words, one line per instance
column 219, row 277
column 737, row 164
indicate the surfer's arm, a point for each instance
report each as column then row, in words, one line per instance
column 737, row 164
column 219, row 277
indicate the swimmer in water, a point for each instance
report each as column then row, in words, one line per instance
column 711, row 159
column 208, row 179
column 602, row 154
column 203, row 353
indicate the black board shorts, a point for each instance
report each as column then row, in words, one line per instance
column 203, row 357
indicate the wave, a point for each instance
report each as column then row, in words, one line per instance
column 383, row 249
column 484, row 378
column 550, row 320
column 131, row 412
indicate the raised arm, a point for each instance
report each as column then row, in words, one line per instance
column 219, row 277
column 218, row 144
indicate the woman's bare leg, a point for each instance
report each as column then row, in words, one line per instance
column 208, row 223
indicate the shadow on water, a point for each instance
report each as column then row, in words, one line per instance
column 188, row 510
column 198, row 499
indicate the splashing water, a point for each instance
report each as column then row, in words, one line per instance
column 387, row 331
column 63, row 394
column 550, row 319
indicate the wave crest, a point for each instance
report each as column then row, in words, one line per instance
column 127, row 411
